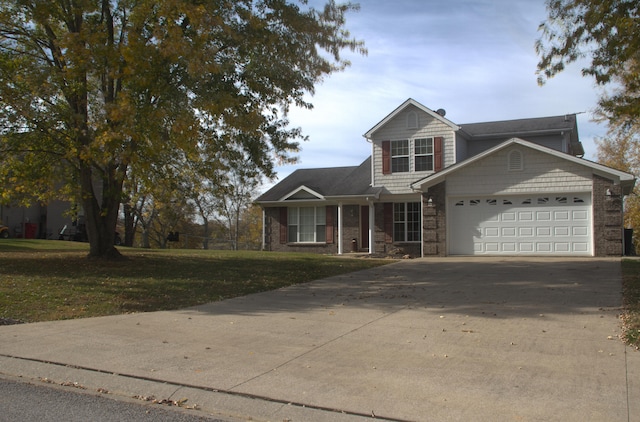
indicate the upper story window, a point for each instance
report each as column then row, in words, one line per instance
column 423, row 152
column 409, row 155
column 400, row 156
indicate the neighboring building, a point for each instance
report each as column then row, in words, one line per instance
column 38, row 221
column 435, row 188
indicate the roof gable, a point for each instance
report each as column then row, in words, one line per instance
column 302, row 192
column 626, row 180
column 401, row 108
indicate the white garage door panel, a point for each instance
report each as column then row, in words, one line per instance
column 534, row 224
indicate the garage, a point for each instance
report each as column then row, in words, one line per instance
column 542, row 224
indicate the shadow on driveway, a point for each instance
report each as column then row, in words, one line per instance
column 493, row 287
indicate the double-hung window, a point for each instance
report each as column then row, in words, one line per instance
column 307, row 224
column 406, row 222
column 423, row 154
column 400, row 156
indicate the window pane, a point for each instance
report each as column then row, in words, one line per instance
column 400, row 156
column 421, row 146
column 413, row 221
column 307, row 224
column 423, row 152
column 321, row 233
column 399, row 148
column 321, row 224
column 321, row 215
column 399, row 222
column 399, row 164
column 424, row 163
column 293, row 234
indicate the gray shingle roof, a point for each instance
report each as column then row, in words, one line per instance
column 520, row 126
column 330, row 181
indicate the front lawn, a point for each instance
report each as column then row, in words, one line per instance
column 49, row 280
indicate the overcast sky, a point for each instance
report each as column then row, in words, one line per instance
column 473, row 58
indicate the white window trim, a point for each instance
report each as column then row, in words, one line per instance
column 297, row 225
column 415, row 155
column 406, row 222
column 407, row 156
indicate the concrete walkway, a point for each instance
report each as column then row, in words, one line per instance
column 455, row 339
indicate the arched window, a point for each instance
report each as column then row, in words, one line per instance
column 412, row 120
column 515, row 161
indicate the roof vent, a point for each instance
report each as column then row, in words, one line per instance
column 441, row 111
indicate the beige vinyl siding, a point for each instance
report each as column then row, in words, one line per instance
column 541, row 173
column 396, row 129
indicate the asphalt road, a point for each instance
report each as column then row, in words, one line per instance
column 20, row 401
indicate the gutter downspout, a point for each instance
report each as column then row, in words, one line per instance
column 372, row 160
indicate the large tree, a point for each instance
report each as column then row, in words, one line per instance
column 607, row 34
column 93, row 91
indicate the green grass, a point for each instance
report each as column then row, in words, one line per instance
column 631, row 301
column 50, row 280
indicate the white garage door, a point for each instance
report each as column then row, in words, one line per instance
column 548, row 224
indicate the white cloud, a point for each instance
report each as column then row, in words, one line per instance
column 474, row 58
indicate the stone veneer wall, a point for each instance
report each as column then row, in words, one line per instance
column 607, row 218
column 434, row 220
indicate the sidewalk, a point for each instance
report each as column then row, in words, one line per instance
column 432, row 339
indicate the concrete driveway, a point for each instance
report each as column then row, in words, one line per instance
column 468, row 339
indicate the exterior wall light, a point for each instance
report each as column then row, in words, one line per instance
column 610, row 195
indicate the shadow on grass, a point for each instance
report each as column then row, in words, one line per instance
column 42, row 284
column 45, row 284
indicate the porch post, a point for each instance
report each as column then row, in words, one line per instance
column 372, row 228
column 264, row 229
column 339, row 228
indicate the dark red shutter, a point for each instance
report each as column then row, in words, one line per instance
column 437, row 153
column 283, row 225
column 388, row 222
column 386, row 157
column 329, row 227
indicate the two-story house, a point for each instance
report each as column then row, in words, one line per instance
column 432, row 187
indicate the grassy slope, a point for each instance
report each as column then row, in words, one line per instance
column 50, row 280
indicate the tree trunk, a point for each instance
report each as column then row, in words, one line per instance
column 129, row 226
column 101, row 216
column 205, row 241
